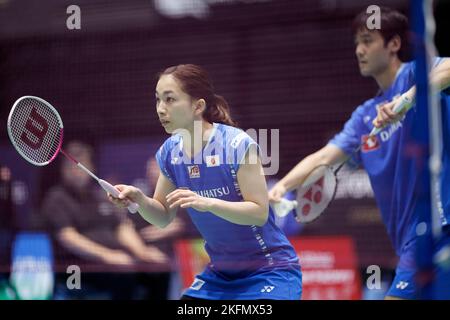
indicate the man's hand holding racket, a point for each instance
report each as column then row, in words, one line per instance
column 117, row 257
column 386, row 114
column 277, row 192
column 314, row 177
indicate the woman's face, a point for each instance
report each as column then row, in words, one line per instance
column 175, row 108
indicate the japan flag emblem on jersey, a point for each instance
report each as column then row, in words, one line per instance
column 212, row 161
column 370, row 143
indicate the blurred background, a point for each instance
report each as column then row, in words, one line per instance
column 281, row 64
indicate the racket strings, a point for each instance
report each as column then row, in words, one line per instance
column 316, row 193
column 44, row 119
column 329, row 187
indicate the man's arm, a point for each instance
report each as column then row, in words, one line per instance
column 152, row 233
column 328, row 155
column 439, row 81
column 130, row 239
column 79, row 244
column 440, row 75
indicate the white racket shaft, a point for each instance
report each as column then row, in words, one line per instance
column 133, row 207
column 108, row 187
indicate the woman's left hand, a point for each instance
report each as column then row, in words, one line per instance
column 188, row 199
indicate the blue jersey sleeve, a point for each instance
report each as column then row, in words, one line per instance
column 238, row 148
column 445, row 173
column 350, row 137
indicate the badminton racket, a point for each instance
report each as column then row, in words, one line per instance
column 35, row 129
column 318, row 189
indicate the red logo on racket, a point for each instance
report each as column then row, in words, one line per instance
column 369, row 143
column 313, row 195
column 38, row 127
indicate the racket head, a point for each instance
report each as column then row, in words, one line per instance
column 35, row 129
column 315, row 194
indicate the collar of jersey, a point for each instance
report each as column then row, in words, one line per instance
column 211, row 136
column 383, row 94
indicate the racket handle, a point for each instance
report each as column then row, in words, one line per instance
column 375, row 131
column 133, row 207
column 283, row 207
column 404, row 105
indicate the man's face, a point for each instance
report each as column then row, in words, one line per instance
column 372, row 53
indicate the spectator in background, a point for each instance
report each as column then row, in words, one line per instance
column 7, row 226
column 157, row 278
column 92, row 233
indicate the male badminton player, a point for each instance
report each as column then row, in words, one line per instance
column 381, row 55
column 220, row 180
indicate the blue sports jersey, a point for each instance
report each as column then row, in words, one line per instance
column 445, row 173
column 388, row 158
column 235, row 250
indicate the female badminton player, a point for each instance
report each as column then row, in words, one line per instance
column 213, row 169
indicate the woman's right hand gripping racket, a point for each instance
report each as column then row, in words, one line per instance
column 319, row 188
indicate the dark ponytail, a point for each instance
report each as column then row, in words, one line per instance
column 218, row 111
column 194, row 80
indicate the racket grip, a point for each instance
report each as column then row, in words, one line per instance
column 133, row 207
column 404, row 105
column 375, row 131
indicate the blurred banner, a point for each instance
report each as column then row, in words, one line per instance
column 32, row 275
column 329, row 266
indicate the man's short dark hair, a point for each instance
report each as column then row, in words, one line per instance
column 392, row 23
